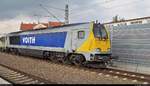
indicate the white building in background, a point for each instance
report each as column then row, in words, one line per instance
column 143, row 20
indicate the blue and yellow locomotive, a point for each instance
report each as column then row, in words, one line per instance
column 75, row 43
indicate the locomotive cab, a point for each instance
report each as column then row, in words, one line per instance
column 97, row 47
column 102, row 41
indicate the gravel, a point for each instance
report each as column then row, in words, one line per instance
column 58, row 73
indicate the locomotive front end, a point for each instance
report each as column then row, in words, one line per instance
column 97, row 47
column 102, row 44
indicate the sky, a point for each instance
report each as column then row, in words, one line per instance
column 13, row 12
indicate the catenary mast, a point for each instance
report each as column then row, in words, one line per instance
column 67, row 13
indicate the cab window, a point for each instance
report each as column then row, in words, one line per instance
column 81, row 34
column 100, row 31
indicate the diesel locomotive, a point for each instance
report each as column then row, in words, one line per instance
column 77, row 43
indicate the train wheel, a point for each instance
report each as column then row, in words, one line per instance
column 45, row 55
column 53, row 59
column 13, row 51
column 66, row 61
column 16, row 51
column 78, row 60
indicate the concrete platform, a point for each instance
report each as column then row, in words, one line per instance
column 2, row 81
column 133, row 67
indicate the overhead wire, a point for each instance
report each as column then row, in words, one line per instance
column 106, row 9
column 101, row 3
column 60, row 9
column 50, row 13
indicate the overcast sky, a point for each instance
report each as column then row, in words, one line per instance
column 13, row 12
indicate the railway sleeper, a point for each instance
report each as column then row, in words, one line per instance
column 21, row 78
column 26, row 80
column 15, row 77
column 32, row 82
column 11, row 75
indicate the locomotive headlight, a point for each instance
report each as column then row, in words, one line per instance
column 98, row 50
column 109, row 49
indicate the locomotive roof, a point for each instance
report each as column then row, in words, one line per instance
column 68, row 25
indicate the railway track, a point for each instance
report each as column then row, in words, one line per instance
column 18, row 77
column 115, row 73
column 135, row 77
column 108, row 72
column 124, row 75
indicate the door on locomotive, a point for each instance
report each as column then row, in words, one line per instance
column 74, row 40
column 2, row 43
column 78, row 37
